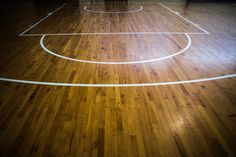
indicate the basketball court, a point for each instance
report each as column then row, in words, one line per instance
column 130, row 78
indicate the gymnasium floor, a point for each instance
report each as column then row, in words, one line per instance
column 124, row 79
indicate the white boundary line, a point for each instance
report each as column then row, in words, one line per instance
column 113, row 33
column 176, row 13
column 49, row 14
column 114, row 12
column 128, row 62
column 117, row 85
column 116, row 33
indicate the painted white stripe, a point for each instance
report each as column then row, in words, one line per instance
column 176, row 13
column 49, row 14
column 128, row 62
column 112, row 12
column 116, row 33
column 111, row 33
column 117, row 85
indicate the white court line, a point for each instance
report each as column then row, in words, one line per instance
column 114, row 33
column 176, row 13
column 117, row 85
column 49, row 14
column 128, row 62
column 112, row 12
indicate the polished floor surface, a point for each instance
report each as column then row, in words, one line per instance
column 143, row 79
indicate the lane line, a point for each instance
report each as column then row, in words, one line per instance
column 127, row 62
column 176, row 13
column 114, row 33
column 117, row 85
column 113, row 12
column 49, row 14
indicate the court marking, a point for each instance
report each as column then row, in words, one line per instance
column 182, row 17
column 112, row 33
column 48, row 15
column 112, row 62
column 118, row 85
column 114, row 12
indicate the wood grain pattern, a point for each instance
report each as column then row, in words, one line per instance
column 178, row 120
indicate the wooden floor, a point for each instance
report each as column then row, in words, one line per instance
column 192, row 119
